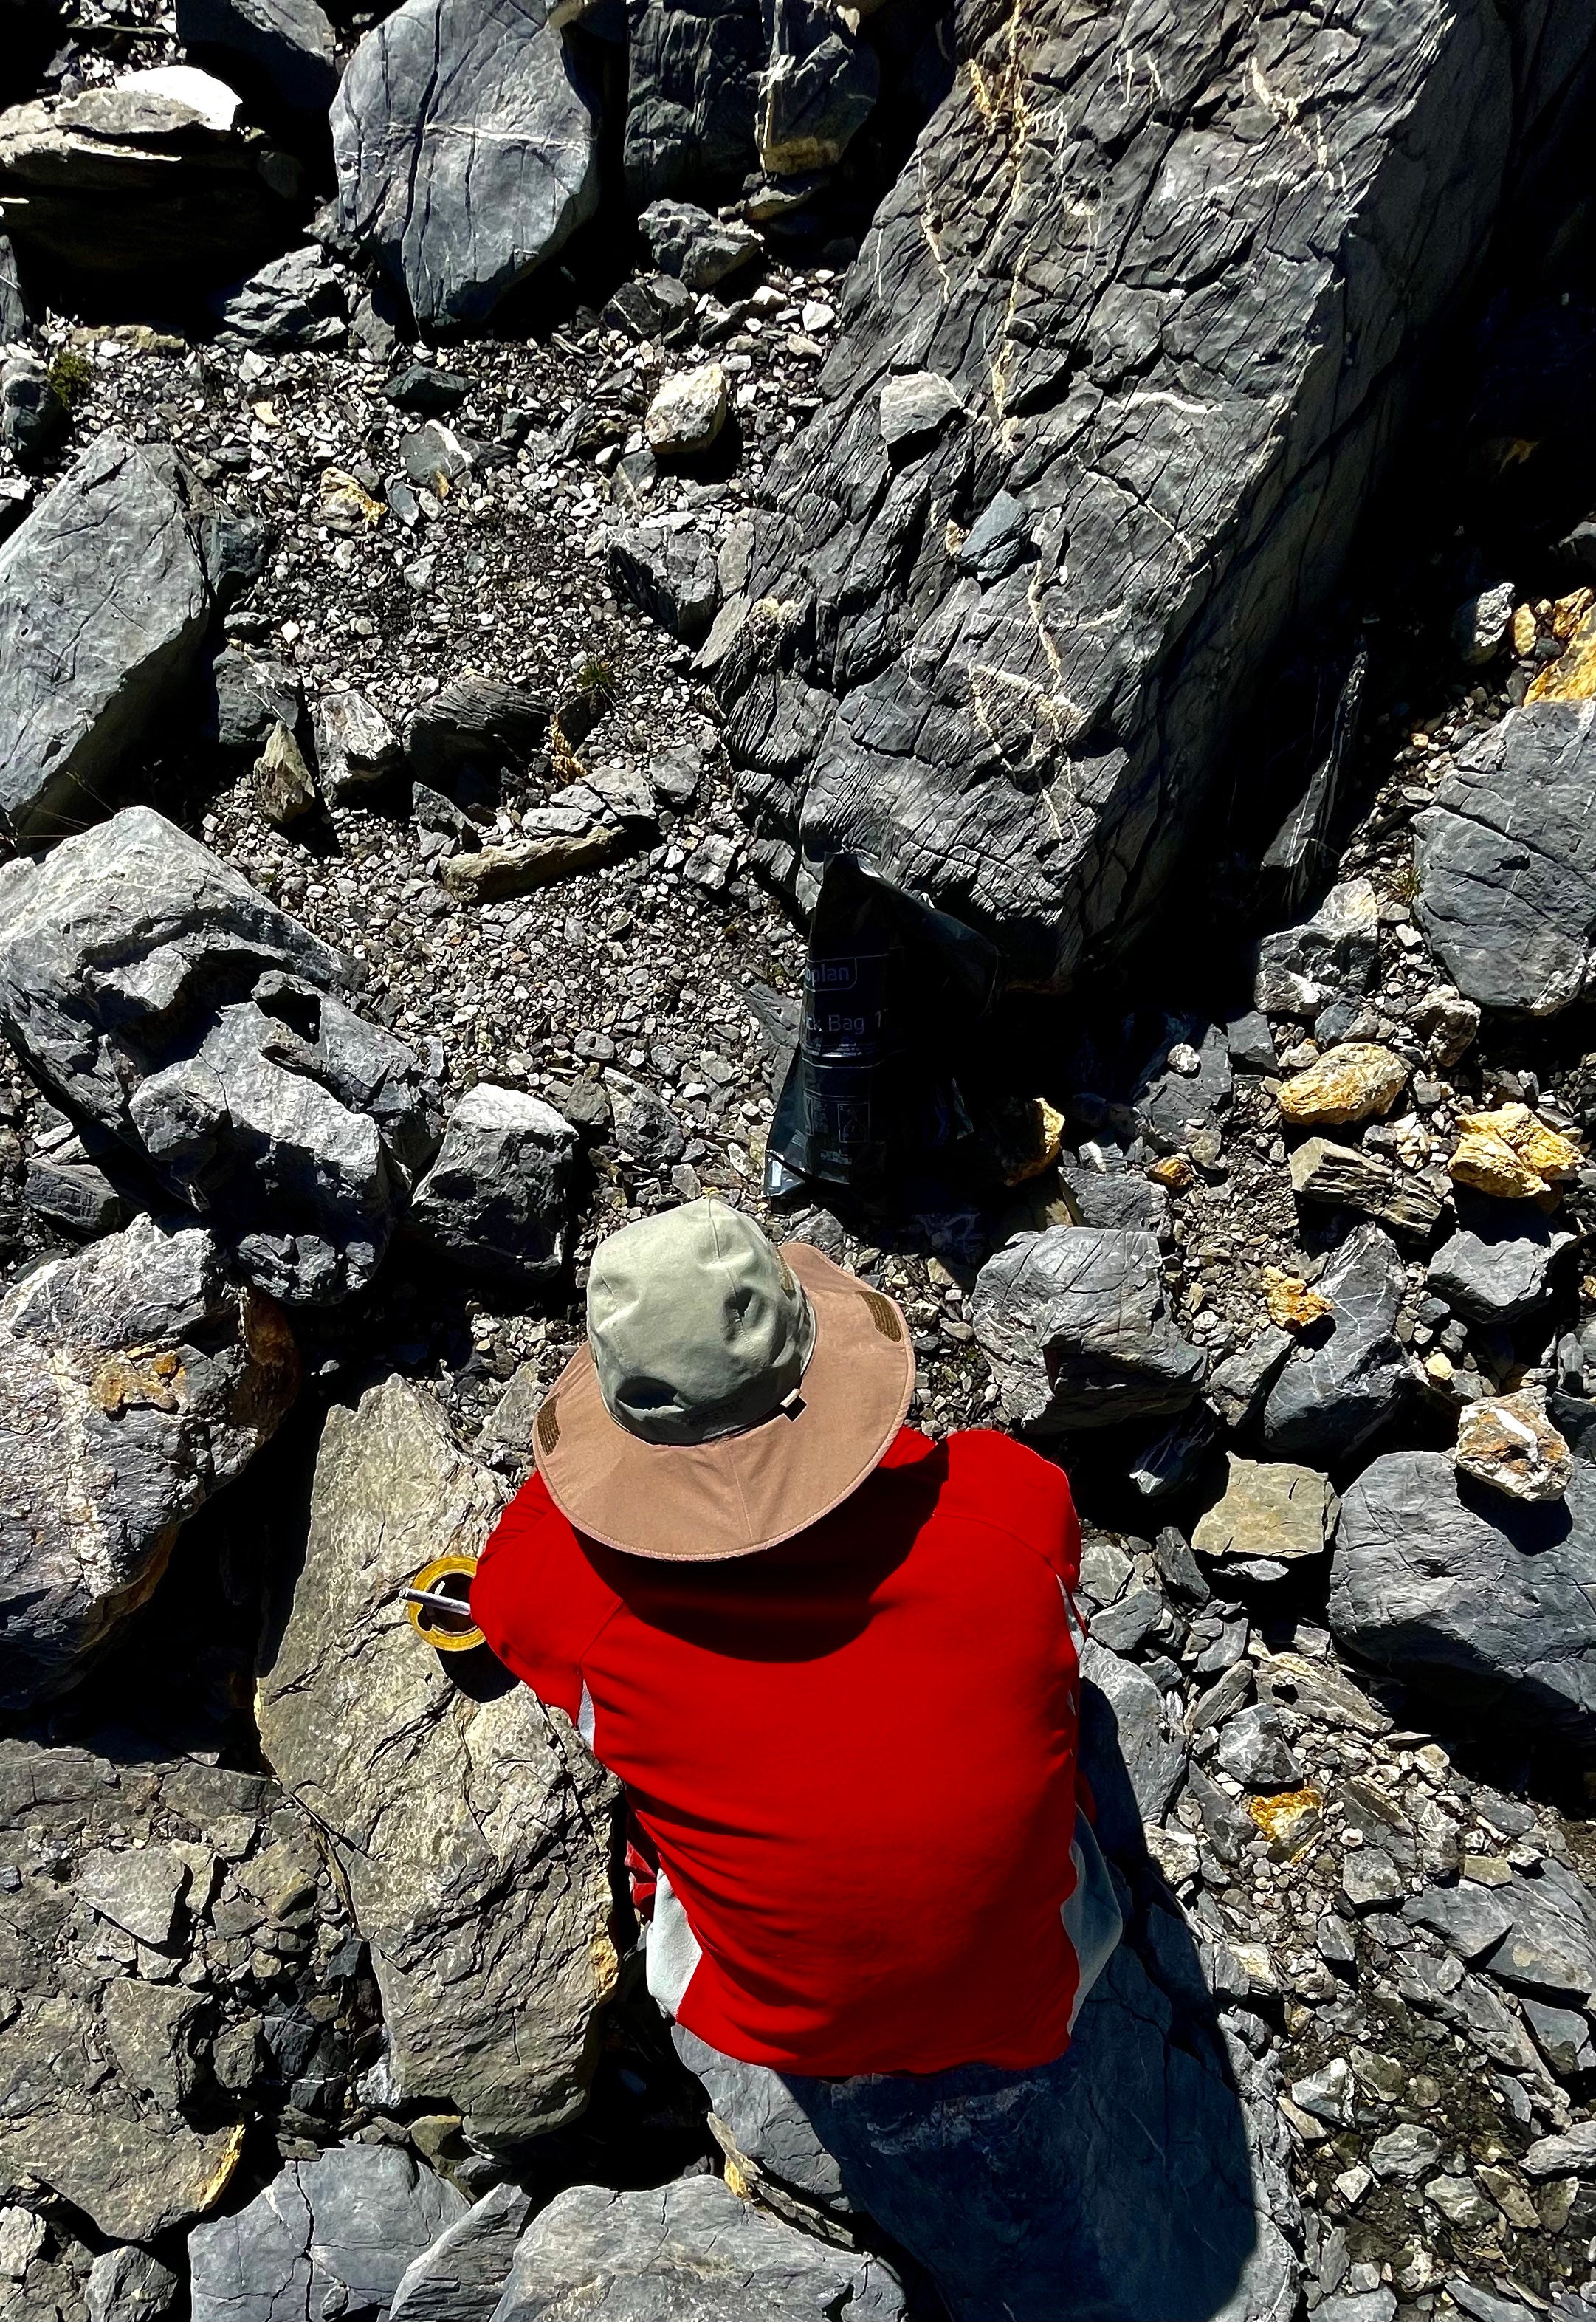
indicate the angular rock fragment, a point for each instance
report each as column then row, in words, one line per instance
column 284, row 788
column 1334, row 956
column 1127, row 1724
column 1339, row 1387
column 819, row 90
column 1236, row 1386
column 697, row 249
column 466, row 143
column 1511, row 1154
column 492, row 873
column 1076, row 1326
column 1349, row 1178
column 156, row 994
column 1497, row 1265
column 128, row 2285
column 497, row 1199
column 668, row 568
column 643, row 1125
column 357, row 750
column 687, row 412
column 689, row 2248
column 1489, row 1602
column 103, row 610
column 74, row 1196
column 147, row 178
column 490, row 1944
column 460, row 2276
column 252, row 698
column 134, row 1379
column 283, row 50
column 1254, row 1750
column 1269, row 1509
column 326, row 2236
column 296, row 301
column 1032, row 755
column 1507, row 861
column 1350, row 1082
column 1506, row 1443
column 474, row 722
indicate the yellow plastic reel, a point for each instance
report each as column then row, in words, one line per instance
column 455, row 1631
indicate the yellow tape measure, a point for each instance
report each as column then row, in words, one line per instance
column 438, row 1601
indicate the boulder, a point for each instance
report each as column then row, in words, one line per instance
column 134, row 1380
column 497, row 1199
column 666, row 567
column 687, row 412
column 150, row 178
column 1270, row 1508
column 490, row 1944
column 697, row 249
column 1333, row 957
column 691, row 2248
column 158, row 996
column 466, row 140
column 104, row 607
column 1076, row 1325
column 111, row 2036
column 474, row 725
column 1487, row 1600
column 1347, row 1376
column 459, row 2276
column 1497, row 1266
column 819, row 90
column 327, row 2237
column 296, row 301
column 692, row 82
column 1035, row 754
column 284, row 51
column 1506, row 860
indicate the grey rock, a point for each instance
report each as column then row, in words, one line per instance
column 252, row 698
column 474, row 722
column 1333, row 1395
column 423, row 387
column 1333, row 956
column 697, row 249
column 327, row 2237
column 760, row 2124
column 133, row 181
column 667, row 568
column 1270, row 1508
column 296, row 301
column 134, row 1379
column 497, row 1199
column 103, row 610
column 1032, row 755
column 1129, row 1623
column 1251, row 1043
column 819, row 90
column 1563, row 2036
column 1571, row 2153
column 1369, row 1880
column 357, row 750
column 466, row 145
column 1496, row 1267
column 140, row 1890
column 128, row 2285
column 1172, row 1106
column 491, row 1946
column 1172, row 1458
column 1076, row 1326
column 460, row 2277
column 1550, row 1944
column 915, row 409
column 682, row 2251
column 34, row 419
column 1001, row 539
column 15, row 322
column 1347, row 1177
column 1482, row 2306
column 1126, row 1720
column 642, row 1124
column 282, row 49
column 1254, row 1750
column 1122, row 1200
column 159, row 997
column 75, row 1197
column 1435, row 1577
column 1407, row 2152
column 1480, row 625
column 693, row 74
column 434, row 457
column 1359, row 2305
column 1237, row 1387
column 1507, row 862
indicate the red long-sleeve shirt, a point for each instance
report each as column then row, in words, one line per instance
column 854, row 1755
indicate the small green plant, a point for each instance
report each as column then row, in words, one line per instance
column 71, row 375
column 597, row 676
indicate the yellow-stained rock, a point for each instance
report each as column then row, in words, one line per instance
column 1511, row 1155
column 1029, row 1136
column 1291, row 1304
column 1288, row 1819
column 1507, row 1441
column 347, row 506
column 1572, row 677
column 1569, row 611
column 1350, row 1082
column 1524, row 631
column 1174, row 1171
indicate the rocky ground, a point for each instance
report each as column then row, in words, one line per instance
column 442, row 649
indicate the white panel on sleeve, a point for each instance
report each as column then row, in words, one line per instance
column 671, row 1952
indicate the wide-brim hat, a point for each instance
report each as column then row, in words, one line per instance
column 743, row 1492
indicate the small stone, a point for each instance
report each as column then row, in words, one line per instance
column 1289, row 1303
column 1254, row 1750
column 1448, row 1021
column 128, row 2285
column 140, row 1890
column 1483, row 625
column 1349, row 1178
column 493, row 872
column 1350, row 1082
column 1511, row 1155
column 284, row 790
column 688, row 412
column 1460, row 2201
column 356, row 748
column 346, row 506
column 1369, row 1878
column 915, row 407
column 1407, row 2152
column 1353, row 2183
column 22, row 2238
column 1288, row 1820
column 1509, row 1443
column 1572, row 2154
column 1510, row 2198
column 1270, row 1508
column 1326, row 2094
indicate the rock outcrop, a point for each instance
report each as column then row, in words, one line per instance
column 473, row 1833
column 134, row 1380
column 103, row 611
column 1485, row 1599
column 1162, row 277
column 693, row 77
column 466, row 145
column 158, row 996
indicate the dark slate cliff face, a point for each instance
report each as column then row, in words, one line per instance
column 1123, row 352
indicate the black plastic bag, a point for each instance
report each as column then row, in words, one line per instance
column 892, row 988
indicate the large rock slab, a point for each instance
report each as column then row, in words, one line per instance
column 466, row 141
column 134, row 1380
column 692, row 88
column 1507, row 861
column 1489, row 1600
column 691, row 2249
column 473, row 1833
column 153, row 992
column 282, row 51
column 146, row 178
column 459, row 2277
column 103, row 612
column 327, row 2237
column 1180, row 309
column 112, row 2038
column 1076, row 1326
column 1347, row 1376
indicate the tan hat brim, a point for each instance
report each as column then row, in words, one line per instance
column 684, row 1502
